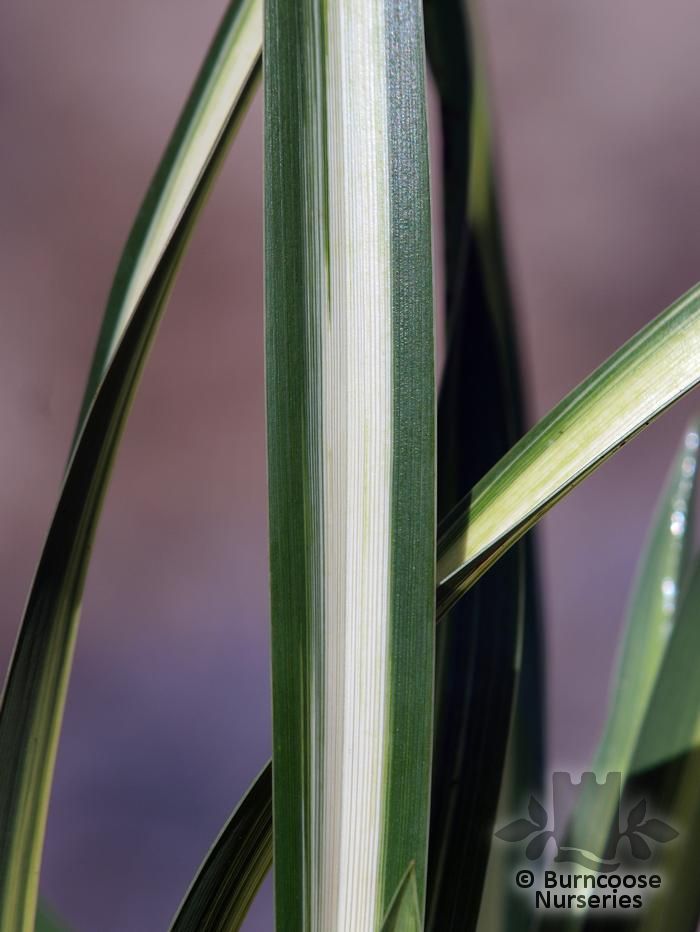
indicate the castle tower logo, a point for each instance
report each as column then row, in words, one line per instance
column 593, row 836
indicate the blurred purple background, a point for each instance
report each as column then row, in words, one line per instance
column 168, row 712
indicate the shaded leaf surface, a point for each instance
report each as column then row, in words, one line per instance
column 479, row 417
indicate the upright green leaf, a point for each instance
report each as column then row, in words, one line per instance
column 404, row 913
column 650, row 618
column 587, row 427
column 666, row 774
column 651, row 615
column 633, row 413
column 351, row 455
column 35, row 690
column 653, row 607
column 479, row 418
column 655, row 368
column 229, row 878
column 526, row 740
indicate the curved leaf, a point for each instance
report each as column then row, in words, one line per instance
column 229, row 878
column 35, row 690
column 653, row 607
column 651, row 616
column 221, row 90
column 655, row 368
column 681, row 318
column 666, row 772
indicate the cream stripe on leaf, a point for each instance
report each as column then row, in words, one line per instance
column 643, row 378
column 537, row 452
column 646, row 349
column 351, row 455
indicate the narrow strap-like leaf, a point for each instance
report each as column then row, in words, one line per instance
column 653, row 606
column 666, row 775
column 404, row 913
column 350, row 386
column 651, row 615
column 221, row 89
column 646, row 756
column 526, row 741
column 479, row 418
column 35, row 690
column 229, row 878
column 655, row 368
column 650, row 619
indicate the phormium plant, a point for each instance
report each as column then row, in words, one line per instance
column 399, row 746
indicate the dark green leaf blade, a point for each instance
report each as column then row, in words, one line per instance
column 653, row 606
column 479, row 418
column 688, row 311
column 691, row 604
column 651, row 616
column 229, row 878
column 666, row 772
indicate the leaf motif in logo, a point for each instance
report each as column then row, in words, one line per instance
column 537, row 845
column 537, row 812
column 636, row 814
column 658, row 830
column 640, row 849
column 517, row 830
